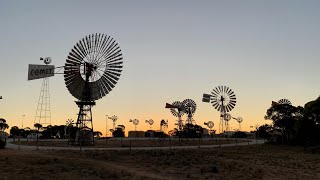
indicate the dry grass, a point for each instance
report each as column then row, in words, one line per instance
column 245, row 162
column 103, row 143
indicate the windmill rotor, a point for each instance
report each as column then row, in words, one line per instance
column 284, row 101
column 239, row 119
column 210, row 124
column 178, row 109
column 189, row 106
column 113, row 118
column 96, row 58
column 227, row 117
column 223, row 99
column 134, row 121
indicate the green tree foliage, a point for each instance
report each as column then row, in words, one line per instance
column 285, row 118
column 119, row 131
column 3, row 125
column 15, row 131
column 191, row 131
column 264, row 131
column 297, row 125
column 309, row 127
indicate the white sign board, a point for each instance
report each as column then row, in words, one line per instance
column 40, row 71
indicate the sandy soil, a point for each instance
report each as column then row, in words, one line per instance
column 245, row 162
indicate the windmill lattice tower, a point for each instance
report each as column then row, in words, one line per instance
column 43, row 112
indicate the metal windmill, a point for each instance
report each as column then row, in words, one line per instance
column 189, row 108
column 226, row 117
column 210, row 125
column 150, row 122
column 135, row 123
column 177, row 109
column 284, row 101
column 114, row 120
column 91, row 71
column 223, row 99
column 43, row 112
column 163, row 125
column 239, row 120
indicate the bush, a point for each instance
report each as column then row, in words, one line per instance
column 2, row 143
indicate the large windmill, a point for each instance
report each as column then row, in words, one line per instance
column 222, row 99
column 92, row 69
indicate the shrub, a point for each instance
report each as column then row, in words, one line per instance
column 2, row 143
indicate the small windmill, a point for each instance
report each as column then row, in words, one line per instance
column 114, row 120
column 135, row 123
column 163, row 125
column 210, row 125
column 239, row 120
column 150, row 122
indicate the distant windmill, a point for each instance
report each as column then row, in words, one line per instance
column 114, row 119
column 150, row 122
column 135, row 123
column 163, row 124
column 210, row 124
column 239, row 120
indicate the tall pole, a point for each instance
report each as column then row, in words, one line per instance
column 22, row 119
column 106, row 125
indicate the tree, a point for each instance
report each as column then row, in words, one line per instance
column 263, row 131
column 3, row 125
column 309, row 127
column 191, row 131
column 119, row 131
column 285, row 117
column 15, row 131
column 38, row 126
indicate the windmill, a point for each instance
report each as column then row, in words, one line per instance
column 239, row 120
column 210, row 125
column 91, row 71
column 135, row 122
column 284, row 101
column 189, row 108
column 43, row 112
column 163, row 125
column 114, row 119
column 177, row 109
column 223, row 99
column 150, row 122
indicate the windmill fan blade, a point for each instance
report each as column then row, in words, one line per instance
column 102, row 53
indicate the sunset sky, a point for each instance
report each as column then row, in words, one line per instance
column 173, row 50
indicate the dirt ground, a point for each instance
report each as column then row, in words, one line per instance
column 103, row 143
column 241, row 162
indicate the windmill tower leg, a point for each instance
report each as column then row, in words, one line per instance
column 221, row 123
column 84, row 134
column 43, row 113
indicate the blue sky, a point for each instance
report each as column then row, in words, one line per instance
column 173, row 50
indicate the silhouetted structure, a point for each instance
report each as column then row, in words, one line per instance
column 91, row 71
column 223, row 99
